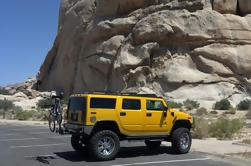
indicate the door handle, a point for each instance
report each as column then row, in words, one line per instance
column 122, row 113
column 148, row 114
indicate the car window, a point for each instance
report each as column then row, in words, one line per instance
column 77, row 103
column 131, row 104
column 154, row 105
column 103, row 103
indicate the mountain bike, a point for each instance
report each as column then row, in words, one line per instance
column 55, row 113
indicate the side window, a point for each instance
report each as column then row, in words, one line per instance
column 131, row 104
column 154, row 105
column 103, row 103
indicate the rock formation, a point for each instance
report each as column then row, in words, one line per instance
column 197, row 49
column 24, row 94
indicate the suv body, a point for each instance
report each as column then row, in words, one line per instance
column 100, row 121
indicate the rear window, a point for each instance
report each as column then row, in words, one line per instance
column 131, row 104
column 103, row 103
column 77, row 103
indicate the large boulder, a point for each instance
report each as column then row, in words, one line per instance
column 177, row 49
column 225, row 6
column 236, row 58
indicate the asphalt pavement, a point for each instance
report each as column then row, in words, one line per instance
column 35, row 145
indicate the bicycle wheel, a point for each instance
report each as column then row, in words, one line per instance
column 52, row 125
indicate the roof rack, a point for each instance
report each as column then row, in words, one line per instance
column 123, row 94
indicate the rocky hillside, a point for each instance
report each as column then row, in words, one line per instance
column 23, row 94
column 197, row 49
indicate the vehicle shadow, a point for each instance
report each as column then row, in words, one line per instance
column 125, row 152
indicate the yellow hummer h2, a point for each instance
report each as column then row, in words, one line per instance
column 100, row 121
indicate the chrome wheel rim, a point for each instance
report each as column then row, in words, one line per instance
column 184, row 141
column 106, row 146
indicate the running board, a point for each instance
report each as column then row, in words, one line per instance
column 143, row 138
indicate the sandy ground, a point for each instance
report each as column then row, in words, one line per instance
column 220, row 147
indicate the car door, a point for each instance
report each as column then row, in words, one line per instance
column 130, row 114
column 155, row 119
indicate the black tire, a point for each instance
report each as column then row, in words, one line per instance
column 77, row 143
column 181, row 140
column 96, row 145
column 52, row 124
column 153, row 144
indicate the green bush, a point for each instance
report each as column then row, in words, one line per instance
column 172, row 104
column 191, row 104
column 201, row 111
column 244, row 105
column 44, row 103
column 4, row 91
column 30, row 115
column 16, row 109
column 223, row 104
column 225, row 128
column 24, row 115
column 201, row 128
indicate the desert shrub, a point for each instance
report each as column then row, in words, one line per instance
column 29, row 115
column 172, row 104
column 214, row 112
column 44, row 103
column 246, row 141
column 244, row 105
column 191, row 104
column 200, row 129
column 4, row 91
column 201, row 111
column 225, row 128
column 223, row 104
column 23, row 115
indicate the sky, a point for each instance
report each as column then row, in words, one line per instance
column 27, row 32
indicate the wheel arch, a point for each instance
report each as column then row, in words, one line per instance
column 106, row 125
column 181, row 124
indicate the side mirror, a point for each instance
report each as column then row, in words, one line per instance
column 165, row 111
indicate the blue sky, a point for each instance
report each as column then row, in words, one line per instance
column 27, row 32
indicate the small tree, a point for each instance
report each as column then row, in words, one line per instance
column 6, row 105
column 223, row 104
column 244, row 105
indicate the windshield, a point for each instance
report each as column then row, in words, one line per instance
column 77, row 103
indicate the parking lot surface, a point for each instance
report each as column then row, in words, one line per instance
column 34, row 145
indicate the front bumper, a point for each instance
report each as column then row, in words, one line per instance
column 76, row 128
